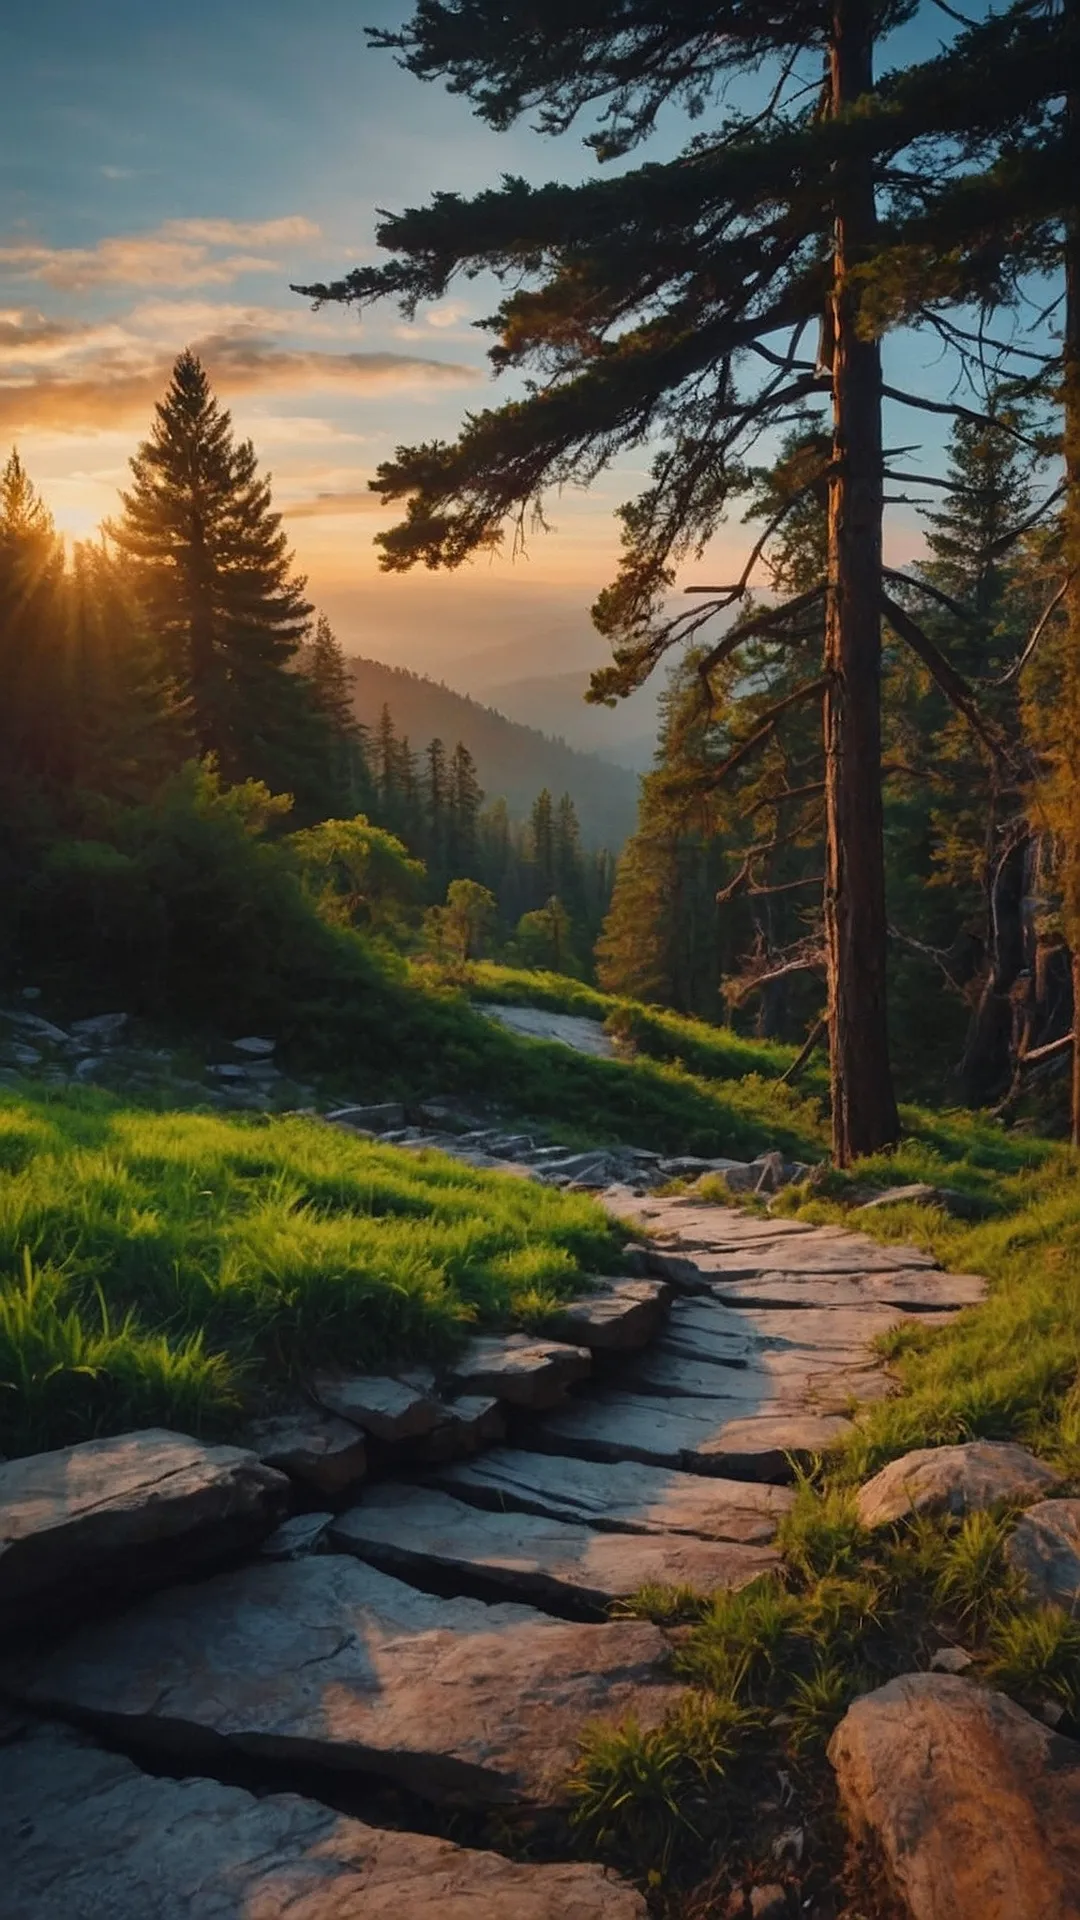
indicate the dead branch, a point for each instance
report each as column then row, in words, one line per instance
column 952, row 684
column 1047, row 1052
column 817, row 1032
column 766, row 729
column 1041, row 623
column 933, row 593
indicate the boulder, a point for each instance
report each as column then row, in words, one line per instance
column 103, row 1029
column 387, row 1409
column 113, row 1516
column 383, row 1117
column 972, row 1805
column 620, row 1316
column 619, row 1496
column 962, row 1206
column 1045, row 1551
column 253, row 1047
column 520, row 1370
column 956, row 1480
column 432, row 1538
column 325, row 1661
column 323, row 1452
column 84, row 1833
column 537, row 1023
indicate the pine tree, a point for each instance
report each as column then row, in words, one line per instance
column 465, row 797
column 644, row 303
column 542, row 843
column 36, row 710
column 213, row 568
column 322, row 661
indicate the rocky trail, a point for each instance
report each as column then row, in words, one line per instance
column 402, row 1592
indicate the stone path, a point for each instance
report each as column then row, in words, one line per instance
column 450, row 1634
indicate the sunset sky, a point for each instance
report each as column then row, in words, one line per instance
column 166, row 174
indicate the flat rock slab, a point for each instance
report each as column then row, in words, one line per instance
column 324, row 1453
column 419, row 1533
column 84, row 1833
column 385, row 1408
column 569, row 1029
column 626, row 1315
column 723, row 1438
column 919, row 1290
column 620, row 1496
column 328, row 1661
column 1045, row 1551
column 722, row 1240
column 522, row 1371
column 957, row 1480
column 973, row 1805
column 113, row 1516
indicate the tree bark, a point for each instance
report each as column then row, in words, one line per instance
column 1071, row 400
column 864, row 1114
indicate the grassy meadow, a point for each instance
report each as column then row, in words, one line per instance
column 181, row 1267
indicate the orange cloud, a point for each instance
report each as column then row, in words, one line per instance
column 180, row 253
column 95, row 378
column 348, row 501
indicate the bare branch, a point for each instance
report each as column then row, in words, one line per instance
column 1040, row 626
column 766, row 729
column 1048, row 1052
column 934, row 593
column 952, row 684
column 957, row 412
column 817, row 1033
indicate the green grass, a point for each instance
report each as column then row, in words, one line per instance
column 177, row 1267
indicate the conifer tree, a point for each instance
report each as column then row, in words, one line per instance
column 644, row 303
column 542, row 843
column 322, row 662
column 215, row 574
column 465, row 797
column 35, row 712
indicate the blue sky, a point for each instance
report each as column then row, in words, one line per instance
column 166, row 173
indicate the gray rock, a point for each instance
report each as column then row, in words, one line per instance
column 621, row 1316
column 323, row 1452
column 34, row 1024
column 962, row 1206
column 387, row 1409
column 254, row 1047
column 25, row 1056
column 950, row 1660
column 104, row 1029
column 1045, row 1550
column 116, row 1515
column 304, row 1533
column 383, row 1117
column 415, row 1533
column 83, row 1834
column 619, row 1496
column 229, row 1072
column 520, row 1370
column 326, row 1661
column 956, row 1480
column 466, row 1424
column 569, row 1029
column 972, row 1805
column 87, row 1068
column 698, row 1436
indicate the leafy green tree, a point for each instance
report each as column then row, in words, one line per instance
column 457, row 931
column 361, row 875
column 213, row 568
column 544, row 939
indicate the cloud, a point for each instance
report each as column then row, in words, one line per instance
column 349, row 500
column 180, row 253
column 96, row 377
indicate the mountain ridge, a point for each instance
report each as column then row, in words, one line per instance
column 513, row 760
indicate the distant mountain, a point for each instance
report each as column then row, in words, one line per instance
column 513, row 761
column 555, row 703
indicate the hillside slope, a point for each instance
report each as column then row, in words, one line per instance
column 513, row 761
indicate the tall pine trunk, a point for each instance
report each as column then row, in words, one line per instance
column 1070, row 718
column 864, row 1114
